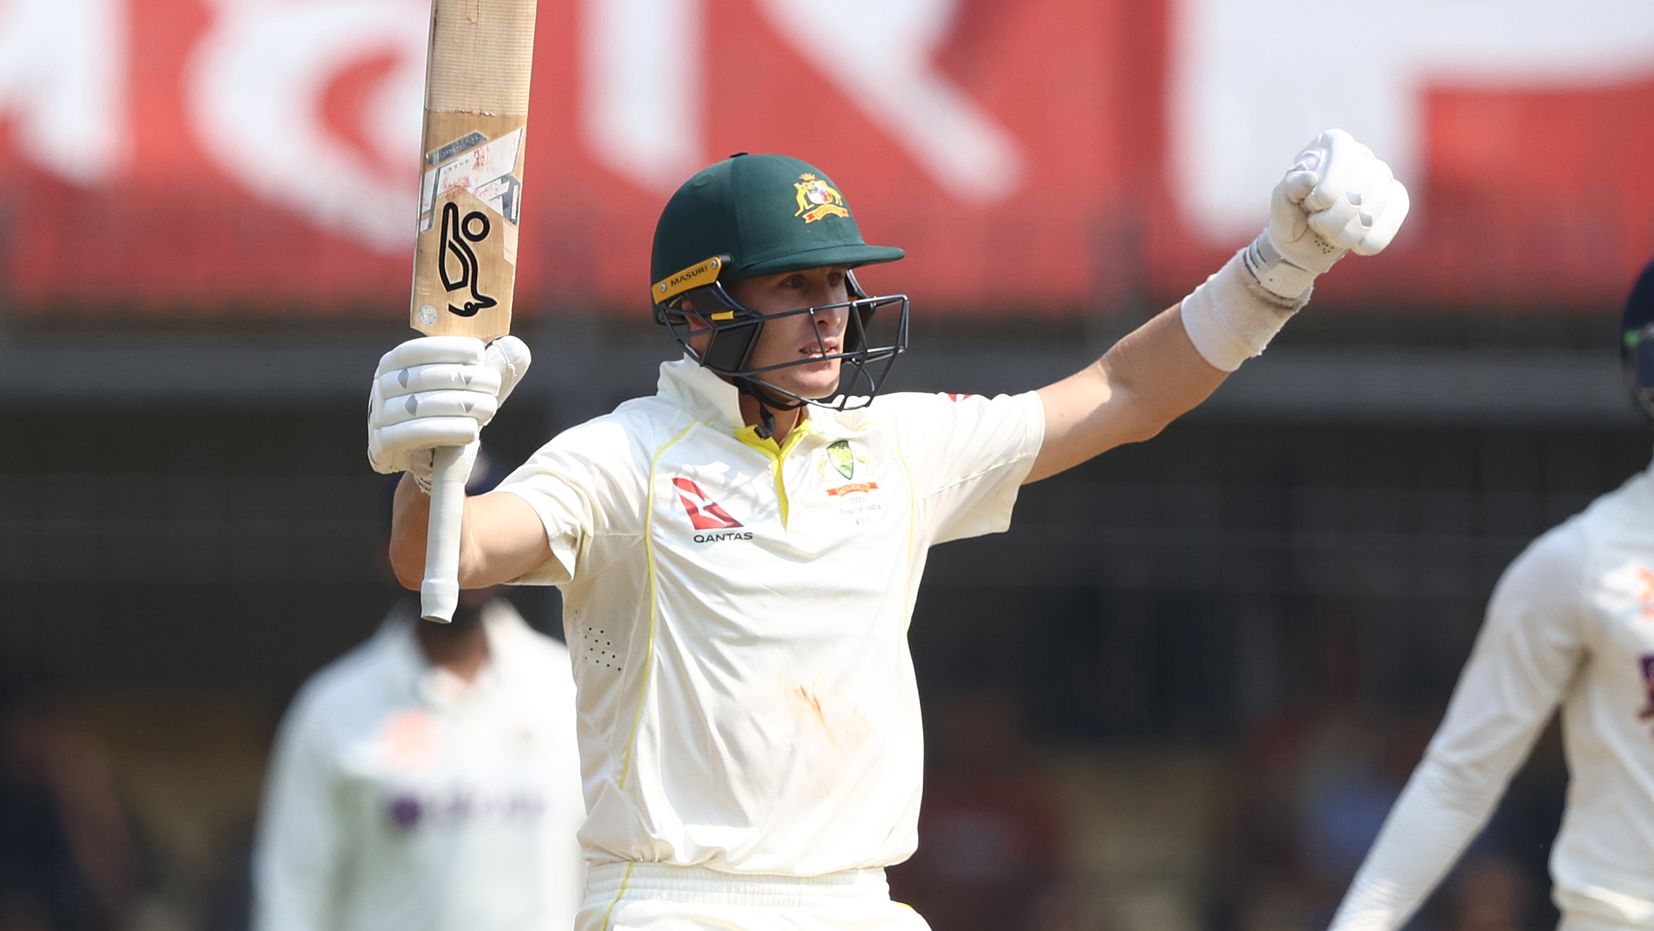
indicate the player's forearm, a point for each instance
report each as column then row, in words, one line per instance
column 1437, row 815
column 1149, row 378
column 1159, row 369
column 410, row 525
column 501, row 538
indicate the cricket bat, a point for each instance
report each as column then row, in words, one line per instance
column 470, row 197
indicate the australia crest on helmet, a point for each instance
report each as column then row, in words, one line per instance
column 817, row 199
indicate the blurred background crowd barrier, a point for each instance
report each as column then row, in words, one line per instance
column 1181, row 693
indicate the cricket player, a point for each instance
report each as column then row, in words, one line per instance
column 1571, row 623
column 427, row 781
column 740, row 552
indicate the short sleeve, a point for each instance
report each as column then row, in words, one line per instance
column 967, row 456
column 583, row 484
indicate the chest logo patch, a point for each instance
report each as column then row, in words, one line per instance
column 704, row 513
column 839, row 454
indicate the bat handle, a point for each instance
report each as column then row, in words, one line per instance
column 439, row 592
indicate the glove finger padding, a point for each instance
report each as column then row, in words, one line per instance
column 1339, row 158
column 508, row 356
column 437, row 391
column 432, row 350
column 440, row 377
column 1387, row 222
column 421, row 435
column 476, row 405
column 1287, row 220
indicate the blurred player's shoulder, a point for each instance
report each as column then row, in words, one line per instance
column 1630, row 505
column 1561, row 565
column 356, row 683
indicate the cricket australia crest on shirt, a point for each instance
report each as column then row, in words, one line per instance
column 838, row 453
column 845, row 474
column 843, row 458
column 817, row 199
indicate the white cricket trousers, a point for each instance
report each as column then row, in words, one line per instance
column 657, row 897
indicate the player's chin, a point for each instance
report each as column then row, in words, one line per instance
column 817, row 379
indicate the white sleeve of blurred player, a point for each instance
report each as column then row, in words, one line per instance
column 297, row 856
column 1528, row 650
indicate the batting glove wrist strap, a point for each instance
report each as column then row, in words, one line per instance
column 1233, row 316
column 1282, row 278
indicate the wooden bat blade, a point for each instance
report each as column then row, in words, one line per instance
column 471, row 169
column 465, row 258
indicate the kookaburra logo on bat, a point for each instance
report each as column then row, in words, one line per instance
column 458, row 265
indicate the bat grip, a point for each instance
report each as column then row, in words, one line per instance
column 439, row 592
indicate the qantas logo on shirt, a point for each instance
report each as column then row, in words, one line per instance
column 707, row 514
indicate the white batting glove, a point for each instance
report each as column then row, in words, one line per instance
column 437, row 391
column 1337, row 197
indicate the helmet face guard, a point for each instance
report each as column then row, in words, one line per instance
column 876, row 331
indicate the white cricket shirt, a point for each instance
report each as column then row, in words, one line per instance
column 737, row 613
column 1571, row 622
column 403, row 798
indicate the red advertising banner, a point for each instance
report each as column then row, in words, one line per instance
column 180, row 158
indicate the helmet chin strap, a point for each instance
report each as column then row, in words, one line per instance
column 746, row 384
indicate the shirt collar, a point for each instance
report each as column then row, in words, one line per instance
column 708, row 397
column 701, row 392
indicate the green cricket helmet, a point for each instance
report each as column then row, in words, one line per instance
column 754, row 215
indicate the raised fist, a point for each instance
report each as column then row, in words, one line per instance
column 1337, row 197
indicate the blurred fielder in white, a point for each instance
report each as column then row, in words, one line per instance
column 427, row 781
column 1571, row 623
column 741, row 552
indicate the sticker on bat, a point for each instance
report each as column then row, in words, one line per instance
column 470, row 140
column 502, row 196
column 475, row 168
column 458, row 266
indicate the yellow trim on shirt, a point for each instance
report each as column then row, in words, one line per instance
column 777, row 452
column 654, row 602
column 624, row 880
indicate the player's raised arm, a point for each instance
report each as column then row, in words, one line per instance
column 1337, row 197
column 439, row 391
